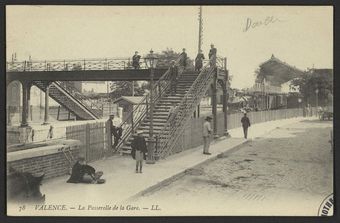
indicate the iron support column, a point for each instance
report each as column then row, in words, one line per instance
column 47, row 109
column 151, row 140
column 26, row 88
column 214, row 103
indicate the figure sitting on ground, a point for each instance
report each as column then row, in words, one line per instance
column 83, row 173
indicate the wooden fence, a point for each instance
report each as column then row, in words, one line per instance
column 193, row 137
column 92, row 137
column 95, row 140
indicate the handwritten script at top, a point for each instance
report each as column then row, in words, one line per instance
column 253, row 24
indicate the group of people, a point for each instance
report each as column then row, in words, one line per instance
column 183, row 58
column 84, row 173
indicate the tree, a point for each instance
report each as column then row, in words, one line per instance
column 124, row 88
column 168, row 55
column 321, row 79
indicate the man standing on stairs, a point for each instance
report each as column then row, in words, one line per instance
column 173, row 78
column 199, row 61
column 212, row 55
column 172, row 114
column 184, row 57
column 206, row 135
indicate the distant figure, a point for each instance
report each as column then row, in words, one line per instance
column 139, row 150
column 50, row 133
column 173, row 78
column 212, row 55
column 199, row 61
column 308, row 110
column 206, row 135
column 83, row 173
column 245, row 124
column 320, row 112
column 135, row 60
column 184, row 57
column 172, row 114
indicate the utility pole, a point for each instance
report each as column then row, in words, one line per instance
column 200, row 29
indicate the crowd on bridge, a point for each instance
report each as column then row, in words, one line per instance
column 183, row 58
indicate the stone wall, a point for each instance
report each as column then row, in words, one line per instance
column 46, row 159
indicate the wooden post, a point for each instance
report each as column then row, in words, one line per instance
column 58, row 113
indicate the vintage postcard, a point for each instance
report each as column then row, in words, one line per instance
column 169, row 110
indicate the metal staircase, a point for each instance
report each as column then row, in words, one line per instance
column 168, row 136
column 69, row 97
column 191, row 88
column 161, row 109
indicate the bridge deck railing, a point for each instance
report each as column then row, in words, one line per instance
column 76, row 65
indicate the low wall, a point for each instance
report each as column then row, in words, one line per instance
column 47, row 159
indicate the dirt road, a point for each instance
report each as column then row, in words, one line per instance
column 286, row 172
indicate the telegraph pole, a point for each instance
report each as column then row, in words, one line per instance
column 200, row 29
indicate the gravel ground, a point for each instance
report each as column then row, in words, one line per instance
column 286, row 172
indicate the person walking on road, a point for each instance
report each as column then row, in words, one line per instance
column 245, row 124
column 139, row 149
column 206, row 135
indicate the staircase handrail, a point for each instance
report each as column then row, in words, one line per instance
column 142, row 108
column 82, row 99
column 185, row 108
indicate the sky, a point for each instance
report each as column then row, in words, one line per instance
column 301, row 36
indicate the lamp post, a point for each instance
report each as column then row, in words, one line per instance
column 151, row 62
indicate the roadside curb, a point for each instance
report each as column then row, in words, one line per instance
column 214, row 157
column 171, row 179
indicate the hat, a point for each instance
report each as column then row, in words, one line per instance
column 183, row 49
column 208, row 118
column 138, row 132
column 136, row 51
column 81, row 158
column 112, row 115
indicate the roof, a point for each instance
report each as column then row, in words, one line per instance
column 131, row 99
column 278, row 72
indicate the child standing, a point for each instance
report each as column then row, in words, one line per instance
column 139, row 149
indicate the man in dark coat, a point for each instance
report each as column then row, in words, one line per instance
column 173, row 78
column 184, row 57
column 139, row 150
column 135, row 60
column 245, row 124
column 199, row 61
column 83, row 173
column 115, row 129
column 212, row 55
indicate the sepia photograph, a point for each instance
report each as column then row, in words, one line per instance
column 169, row 110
